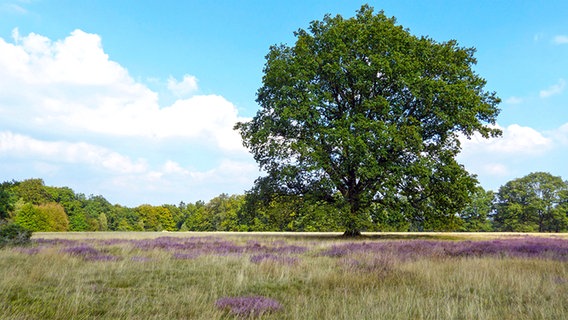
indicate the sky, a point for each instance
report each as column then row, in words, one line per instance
column 136, row 100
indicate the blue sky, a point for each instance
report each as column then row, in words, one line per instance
column 135, row 100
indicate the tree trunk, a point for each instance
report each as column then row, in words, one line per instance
column 353, row 226
column 352, row 233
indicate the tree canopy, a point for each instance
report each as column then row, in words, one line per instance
column 535, row 202
column 364, row 114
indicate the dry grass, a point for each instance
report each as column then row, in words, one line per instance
column 151, row 283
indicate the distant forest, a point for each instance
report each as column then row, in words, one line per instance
column 537, row 202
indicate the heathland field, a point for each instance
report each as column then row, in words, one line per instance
column 285, row 276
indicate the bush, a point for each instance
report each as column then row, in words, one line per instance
column 13, row 234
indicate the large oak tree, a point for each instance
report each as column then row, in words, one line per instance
column 361, row 111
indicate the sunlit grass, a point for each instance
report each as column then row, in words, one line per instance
column 312, row 276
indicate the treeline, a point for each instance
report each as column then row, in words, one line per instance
column 537, row 202
column 37, row 207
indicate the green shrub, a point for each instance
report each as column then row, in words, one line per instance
column 13, row 234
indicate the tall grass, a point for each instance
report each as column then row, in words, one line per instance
column 197, row 276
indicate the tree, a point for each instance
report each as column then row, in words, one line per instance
column 476, row 214
column 94, row 206
column 33, row 191
column 45, row 217
column 536, row 202
column 78, row 221
column 13, row 234
column 360, row 112
column 56, row 217
column 127, row 219
column 262, row 211
column 276, row 213
column 177, row 214
column 389, row 220
column 222, row 212
column 123, row 225
column 155, row 218
column 197, row 218
column 29, row 217
column 7, row 199
column 316, row 216
column 74, row 205
column 103, row 222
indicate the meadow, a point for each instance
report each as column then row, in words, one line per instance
column 285, row 276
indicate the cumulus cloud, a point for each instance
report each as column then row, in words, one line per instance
column 172, row 167
column 498, row 159
column 137, row 177
column 79, row 59
column 561, row 134
column 68, row 110
column 173, row 181
column 21, row 146
column 184, row 87
column 71, row 85
column 516, row 139
column 554, row 89
column 225, row 170
column 561, row 39
column 228, row 170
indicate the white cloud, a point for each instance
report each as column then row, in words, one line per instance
column 13, row 8
column 228, row 170
column 561, row 39
column 71, row 85
column 520, row 150
column 56, row 93
column 16, row 35
column 516, row 140
column 79, row 59
column 514, row 100
column 495, row 169
column 173, row 181
column 183, row 88
column 172, row 167
column 554, row 89
column 561, row 134
column 225, row 170
column 121, row 173
column 21, row 146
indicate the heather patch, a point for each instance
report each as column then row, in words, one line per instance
column 197, row 245
column 544, row 248
column 248, row 306
column 81, row 250
column 88, row 252
column 213, row 246
column 275, row 258
column 29, row 250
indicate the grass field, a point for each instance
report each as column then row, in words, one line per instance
column 285, row 276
